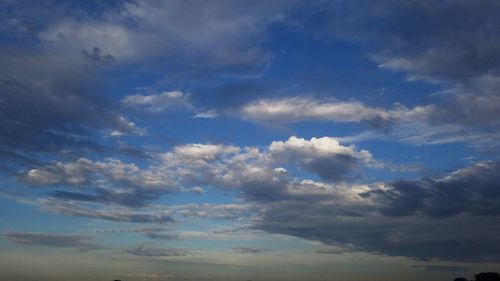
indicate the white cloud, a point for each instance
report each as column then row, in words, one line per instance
column 107, row 173
column 299, row 109
column 323, row 156
column 252, row 171
column 206, row 114
column 160, row 102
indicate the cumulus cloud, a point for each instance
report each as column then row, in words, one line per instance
column 85, row 172
column 469, row 190
column 325, row 156
column 253, row 173
column 449, row 218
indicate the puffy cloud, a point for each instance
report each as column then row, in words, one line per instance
column 85, row 172
column 450, row 218
column 473, row 189
column 323, row 156
column 253, row 173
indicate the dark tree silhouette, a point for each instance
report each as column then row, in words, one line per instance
column 487, row 276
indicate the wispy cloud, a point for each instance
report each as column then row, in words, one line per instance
column 80, row 242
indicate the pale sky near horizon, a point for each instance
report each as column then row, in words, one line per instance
column 249, row 140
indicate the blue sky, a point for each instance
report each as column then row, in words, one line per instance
column 249, row 140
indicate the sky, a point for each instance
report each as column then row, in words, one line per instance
column 249, row 140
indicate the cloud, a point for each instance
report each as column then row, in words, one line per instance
column 85, row 172
column 324, row 156
column 68, row 107
column 144, row 251
column 471, row 190
column 216, row 211
column 449, row 218
column 174, row 35
column 458, row 115
column 70, row 208
column 206, row 114
column 250, row 250
column 332, row 250
column 436, row 41
column 80, row 242
column 300, row 109
column 131, row 230
column 60, row 110
column 197, row 190
column 453, row 44
column 251, row 172
column 160, row 102
column 129, row 198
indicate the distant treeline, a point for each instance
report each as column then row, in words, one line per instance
column 483, row 276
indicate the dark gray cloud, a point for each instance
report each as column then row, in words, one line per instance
column 450, row 218
column 53, row 108
column 79, row 242
column 130, row 198
column 52, row 94
column 435, row 40
column 96, row 58
column 473, row 189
